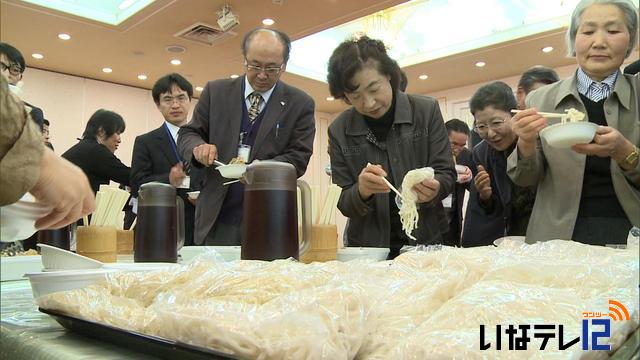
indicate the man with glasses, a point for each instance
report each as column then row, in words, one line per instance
column 496, row 206
column 252, row 117
column 12, row 65
column 155, row 154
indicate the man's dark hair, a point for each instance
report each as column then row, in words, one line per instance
column 537, row 74
column 164, row 84
column 404, row 82
column 632, row 68
column 12, row 54
column 284, row 39
column 351, row 56
column 106, row 120
column 457, row 125
column 496, row 94
column 45, row 122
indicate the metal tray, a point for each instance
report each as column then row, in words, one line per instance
column 152, row 345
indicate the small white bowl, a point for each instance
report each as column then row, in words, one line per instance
column 56, row 259
column 43, row 283
column 193, row 195
column 19, row 219
column 515, row 240
column 228, row 253
column 232, row 171
column 568, row 134
column 372, row 253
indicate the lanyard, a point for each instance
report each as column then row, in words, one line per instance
column 173, row 143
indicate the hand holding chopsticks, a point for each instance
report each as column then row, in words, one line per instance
column 376, row 190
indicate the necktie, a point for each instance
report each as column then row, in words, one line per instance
column 255, row 99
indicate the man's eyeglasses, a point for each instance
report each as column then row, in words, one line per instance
column 181, row 99
column 494, row 125
column 14, row 69
column 269, row 70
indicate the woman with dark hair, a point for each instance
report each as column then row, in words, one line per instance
column 94, row 154
column 395, row 131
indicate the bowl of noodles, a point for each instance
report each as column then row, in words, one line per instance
column 568, row 134
column 234, row 170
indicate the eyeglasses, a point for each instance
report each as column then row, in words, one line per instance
column 270, row 70
column 168, row 100
column 494, row 125
column 14, row 69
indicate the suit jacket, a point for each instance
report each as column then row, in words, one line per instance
column 152, row 160
column 217, row 120
column 559, row 173
column 98, row 163
column 416, row 139
column 455, row 223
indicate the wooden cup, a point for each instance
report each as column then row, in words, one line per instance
column 124, row 243
column 97, row 242
column 324, row 244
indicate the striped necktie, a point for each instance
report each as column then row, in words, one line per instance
column 255, row 99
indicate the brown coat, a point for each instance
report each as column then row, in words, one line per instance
column 217, row 120
column 21, row 148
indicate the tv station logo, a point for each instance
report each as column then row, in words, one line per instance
column 596, row 331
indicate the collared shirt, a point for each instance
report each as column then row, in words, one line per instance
column 248, row 90
column 595, row 90
column 173, row 130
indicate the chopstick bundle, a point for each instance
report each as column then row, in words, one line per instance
column 327, row 215
column 109, row 203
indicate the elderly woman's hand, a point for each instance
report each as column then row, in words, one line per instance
column 427, row 190
column 370, row 181
column 608, row 142
column 526, row 125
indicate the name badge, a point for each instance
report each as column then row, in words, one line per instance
column 243, row 152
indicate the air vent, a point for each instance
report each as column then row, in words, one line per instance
column 205, row 34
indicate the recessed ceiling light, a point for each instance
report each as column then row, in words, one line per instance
column 199, row 88
column 37, row 56
column 107, row 70
column 423, row 77
column 330, row 98
column 63, row 36
column 142, row 77
column 268, row 22
column 176, row 62
column 547, row 49
column 481, row 63
column 234, row 76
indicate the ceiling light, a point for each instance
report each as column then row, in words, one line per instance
column 199, row 88
column 268, row 22
column 330, row 98
column 234, row 76
column 37, row 56
column 125, row 4
column 142, row 77
column 423, row 77
column 481, row 63
column 107, row 70
column 176, row 62
column 547, row 49
column 63, row 36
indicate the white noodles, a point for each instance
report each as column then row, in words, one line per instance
column 409, row 211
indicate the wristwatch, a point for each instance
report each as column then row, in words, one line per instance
column 631, row 158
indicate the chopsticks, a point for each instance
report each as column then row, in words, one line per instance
column 390, row 185
column 545, row 114
column 109, row 203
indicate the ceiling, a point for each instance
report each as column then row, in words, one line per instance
column 138, row 45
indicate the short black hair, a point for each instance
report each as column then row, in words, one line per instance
column 457, row 125
column 165, row 83
column 45, row 122
column 13, row 54
column 404, row 82
column 496, row 94
column 350, row 56
column 284, row 39
column 537, row 74
column 106, row 120
column 632, row 68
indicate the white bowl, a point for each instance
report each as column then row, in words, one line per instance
column 569, row 134
column 55, row 259
column 232, row 171
column 19, row 219
column 228, row 253
column 352, row 253
column 138, row 267
column 193, row 195
column 43, row 283
column 508, row 240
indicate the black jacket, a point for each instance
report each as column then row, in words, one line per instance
column 98, row 163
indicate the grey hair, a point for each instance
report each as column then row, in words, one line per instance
column 630, row 16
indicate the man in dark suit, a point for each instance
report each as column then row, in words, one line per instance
column 458, row 133
column 255, row 112
column 155, row 154
column 13, row 67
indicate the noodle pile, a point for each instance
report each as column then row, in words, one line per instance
column 409, row 210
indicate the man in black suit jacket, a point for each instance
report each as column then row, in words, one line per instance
column 458, row 133
column 258, row 111
column 155, row 154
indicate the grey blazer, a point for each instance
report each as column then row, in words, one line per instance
column 217, row 120
column 559, row 172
